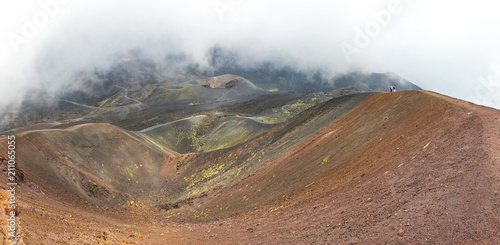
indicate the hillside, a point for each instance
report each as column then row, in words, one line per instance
column 405, row 167
column 203, row 133
column 135, row 93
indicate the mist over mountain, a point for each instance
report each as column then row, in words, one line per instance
column 428, row 43
column 134, row 71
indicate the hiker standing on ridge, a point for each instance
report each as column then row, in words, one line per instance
column 393, row 89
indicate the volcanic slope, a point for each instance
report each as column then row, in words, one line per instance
column 405, row 167
column 203, row 133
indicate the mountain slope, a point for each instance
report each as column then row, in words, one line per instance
column 99, row 162
column 203, row 133
column 406, row 163
column 405, row 167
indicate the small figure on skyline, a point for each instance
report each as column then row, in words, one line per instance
column 393, row 89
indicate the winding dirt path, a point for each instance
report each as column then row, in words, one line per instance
column 126, row 95
column 137, row 103
column 161, row 125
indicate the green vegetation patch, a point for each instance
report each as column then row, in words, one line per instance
column 325, row 160
column 281, row 114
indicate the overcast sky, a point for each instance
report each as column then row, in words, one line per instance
column 451, row 47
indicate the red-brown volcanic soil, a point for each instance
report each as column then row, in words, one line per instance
column 411, row 167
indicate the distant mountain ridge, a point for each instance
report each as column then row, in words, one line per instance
column 137, row 87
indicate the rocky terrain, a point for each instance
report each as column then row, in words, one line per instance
column 407, row 167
